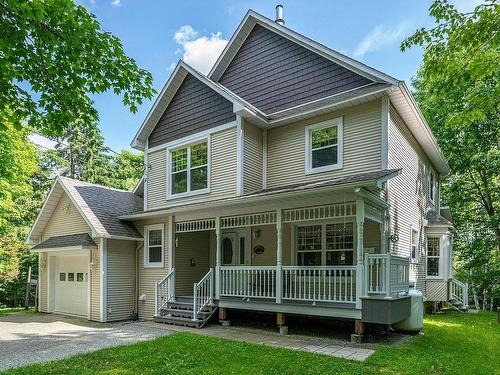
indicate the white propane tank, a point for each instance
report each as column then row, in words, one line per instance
column 415, row 322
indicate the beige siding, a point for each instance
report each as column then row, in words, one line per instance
column 194, row 245
column 267, row 238
column 43, row 282
column 408, row 193
column 95, row 287
column 222, row 173
column 65, row 220
column 252, row 158
column 149, row 276
column 437, row 290
column 120, row 279
column 362, row 146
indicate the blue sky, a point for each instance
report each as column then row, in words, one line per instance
column 157, row 33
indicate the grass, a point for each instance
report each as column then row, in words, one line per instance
column 452, row 343
column 8, row 310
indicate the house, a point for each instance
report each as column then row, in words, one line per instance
column 291, row 179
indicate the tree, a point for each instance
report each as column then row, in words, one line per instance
column 17, row 164
column 126, row 170
column 53, row 56
column 458, row 90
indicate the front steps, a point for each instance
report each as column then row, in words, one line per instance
column 180, row 312
column 458, row 305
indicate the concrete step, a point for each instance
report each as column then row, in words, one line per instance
column 187, row 322
column 184, row 313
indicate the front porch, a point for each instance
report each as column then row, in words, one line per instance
column 320, row 260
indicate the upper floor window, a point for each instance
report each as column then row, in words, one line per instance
column 153, row 245
column 433, row 255
column 414, row 245
column 325, row 244
column 324, row 146
column 432, row 187
column 189, row 169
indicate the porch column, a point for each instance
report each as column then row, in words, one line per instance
column 360, row 222
column 217, row 257
column 279, row 255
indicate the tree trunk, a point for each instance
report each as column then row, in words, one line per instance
column 474, row 295
column 485, row 299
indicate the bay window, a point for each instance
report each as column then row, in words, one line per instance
column 189, row 169
column 433, row 255
column 325, row 244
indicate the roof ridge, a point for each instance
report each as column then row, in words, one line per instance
column 92, row 184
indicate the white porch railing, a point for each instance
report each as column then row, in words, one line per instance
column 164, row 291
column 248, row 281
column 322, row 284
column 459, row 292
column 386, row 274
column 203, row 293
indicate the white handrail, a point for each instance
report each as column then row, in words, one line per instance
column 164, row 291
column 386, row 274
column 460, row 292
column 321, row 284
column 203, row 293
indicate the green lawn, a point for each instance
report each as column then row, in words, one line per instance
column 453, row 343
column 6, row 311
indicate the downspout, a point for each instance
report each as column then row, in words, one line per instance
column 135, row 314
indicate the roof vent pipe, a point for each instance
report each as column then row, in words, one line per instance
column 279, row 15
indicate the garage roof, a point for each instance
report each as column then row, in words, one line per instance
column 82, row 240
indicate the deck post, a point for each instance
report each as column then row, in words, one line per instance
column 360, row 222
column 217, row 257
column 279, row 255
column 388, row 276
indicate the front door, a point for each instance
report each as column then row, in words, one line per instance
column 235, row 248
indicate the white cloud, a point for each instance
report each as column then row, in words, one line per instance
column 381, row 36
column 200, row 52
column 116, row 3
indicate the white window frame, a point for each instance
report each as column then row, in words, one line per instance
column 339, row 123
column 440, row 257
column 323, row 249
column 432, row 187
column 417, row 245
column 147, row 229
column 187, row 144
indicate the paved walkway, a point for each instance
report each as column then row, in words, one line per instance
column 309, row 344
column 27, row 338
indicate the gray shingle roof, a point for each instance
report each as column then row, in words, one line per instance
column 81, row 239
column 433, row 218
column 355, row 178
column 106, row 204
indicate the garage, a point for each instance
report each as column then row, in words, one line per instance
column 71, row 285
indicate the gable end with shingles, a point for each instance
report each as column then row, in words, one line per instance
column 273, row 73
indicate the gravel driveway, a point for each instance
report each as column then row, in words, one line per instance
column 31, row 338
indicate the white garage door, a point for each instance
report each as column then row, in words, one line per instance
column 71, row 285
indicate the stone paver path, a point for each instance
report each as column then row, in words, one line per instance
column 315, row 345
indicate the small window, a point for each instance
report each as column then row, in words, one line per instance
column 71, row 276
column 433, row 255
column 79, row 277
column 86, row 276
column 153, row 251
column 62, row 276
column 339, row 244
column 189, row 169
column 414, row 245
column 309, row 249
column 324, row 146
column 432, row 187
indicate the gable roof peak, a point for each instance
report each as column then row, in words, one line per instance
column 252, row 18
